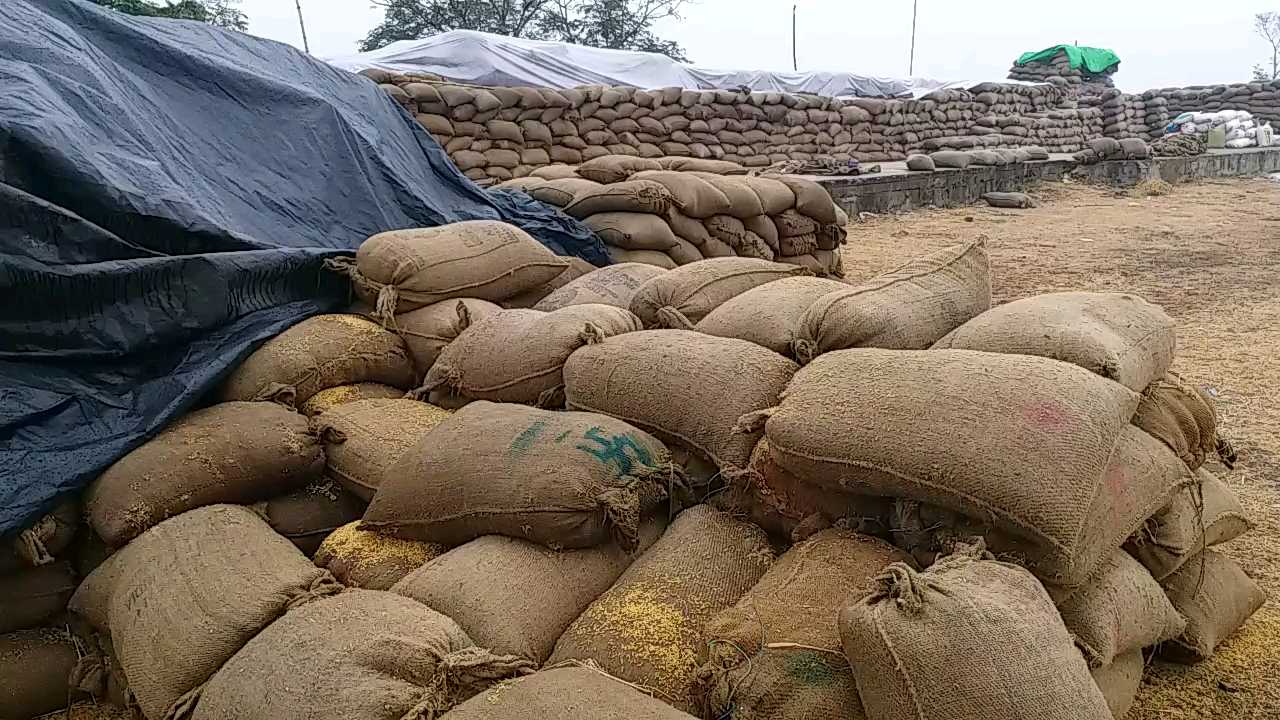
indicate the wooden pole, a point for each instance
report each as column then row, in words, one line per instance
column 795, row 65
column 911, row 64
column 305, row 46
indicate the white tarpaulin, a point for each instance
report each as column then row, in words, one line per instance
column 484, row 59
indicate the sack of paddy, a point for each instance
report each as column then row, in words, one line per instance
column 1007, row 654
column 1119, row 682
column 515, row 597
column 951, row 159
column 30, row 597
column 611, row 169
column 576, row 269
column 1120, row 610
column 712, row 381
column 649, row 257
column 568, row 693
column 41, row 541
column 1116, row 335
column 518, row 355
column 88, row 710
column 693, row 195
column 717, row 167
column 1048, row 453
column 318, row 353
column 364, row 438
column 332, row 397
column 631, row 196
column 404, row 270
column 649, row 627
column 909, row 308
column 682, row 297
column 233, row 452
column 1216, row 597
column 633, row 231
column 561, row 192
column 1181, row 416
column 767, row 315
column 428, row 330
column 184, row 596
column 776, row 654
column 306, row 517
column 733, row 232
column 614, row 285
column 34, row 667
column 372, row 561
column 812, row 200
column 1205, row 514
column 562, row 479
column 743, row 201
column 775, row 197
column 360, row 654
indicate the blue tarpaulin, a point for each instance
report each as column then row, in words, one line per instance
column 168, row 193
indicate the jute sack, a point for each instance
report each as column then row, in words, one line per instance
column 812, row 200
column 743, row 201
column 648, row 257
column 181, row 599
column 776, row 652
column 775, row 197
column 568, row 480
column 614, row 285
column 515, row 597
column 32, row 596
column 951, row 159
column 909, row 308
column 632, row 196
column 307, row 516
column 612, row 169
column 718, row 167
column 1181, row 416
column 633, row 231
column 577, row 268
column 364, row 439
column 568, row 693
column 635, row 376
column 372, row 561
column 767, row 315
column 518, row 355
column 34, row 667
column 428, row 330
column 1119, row 682
column 763, row 226
column 733, row 232
column 234, row 452
column 560, row 192
column 360, row 654
column 1007, row 654
column 1201, row 516
column 1122, row 609
column 556, row 172
column 691, row 231
column 1054, row 462
column 680, row 298
column 1118, row 336
column 403, row 270
column 649, row 628
column 695, row 197
column 39, row 543
column 330, row 398
column 1216, row 597
column 318, row 353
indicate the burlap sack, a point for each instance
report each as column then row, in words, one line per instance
column 775, row 197
column 685, row 296
column 330, row 398
column 1181, row 416
column 567, row 480
column 1011, row 200
column 525, row 300
column 372, row 561
column 633, row 231
column 233, row 452
column 951, row 159
column 318, row 353
column 635, row 376
column 920, row 163
column 790, row 223
column 743, row 201
column 632, row 196
column 360, row 654
column 767, row 315
column 1119, row 682
column 614, row 285
column 776, row 653
column 428, row 330
column 518, row 355
column 556, row 172
column 717, row 167
column 1007, row 654
column 909, row 308
column 307, row 516
column 648, row 257
column 32, row 596
column 615, row 168
column 1198, row 517
column 184, row 597
column 38, row 543
column 97, row 671
column 1216, row 597
column 733, row 232
column 515, row 597
column 561, row 191
column 763, row 226
column 364, row 439
column 568, row 693
column 1121, row 610
column 1118, row 336
column 34, row 667
column 695, row 197
column 649, row 628
column 812, row 200
column 1054, row 462
column 404, row 270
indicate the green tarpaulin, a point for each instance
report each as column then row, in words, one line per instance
column 1095, row 60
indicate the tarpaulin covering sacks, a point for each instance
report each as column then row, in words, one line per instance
column 169, row 193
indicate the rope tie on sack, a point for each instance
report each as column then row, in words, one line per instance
column 185, row 706
column 286, row 395
column 753, row 422
column 902, row 584
column 323, row 586
column 671, row 318
column 804, row 350
column 551, row 399
column 30, row 544
column 463, row 672
column 622, row 511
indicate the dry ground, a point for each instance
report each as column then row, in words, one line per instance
column 1210, row 254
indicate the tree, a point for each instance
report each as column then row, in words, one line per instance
column 619, row 24
column 215, row 12
column 1268, row 26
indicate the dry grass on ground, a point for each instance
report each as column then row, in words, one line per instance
column 1210, row 254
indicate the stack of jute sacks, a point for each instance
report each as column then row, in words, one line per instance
column 1058, row 70
column 680, row 210
column 1261, row 98
column 727, row 488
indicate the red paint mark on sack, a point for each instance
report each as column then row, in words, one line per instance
column 1047, row 415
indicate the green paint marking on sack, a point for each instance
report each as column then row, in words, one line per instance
column 526, row 439
column 811, row 670
column 562, row 436
column 617, row 450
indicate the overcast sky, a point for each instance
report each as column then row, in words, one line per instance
column 1161, row 44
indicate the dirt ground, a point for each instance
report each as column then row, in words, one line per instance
column 1208, row 252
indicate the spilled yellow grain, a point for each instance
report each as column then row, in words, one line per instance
column 361, row 548
column 648, row 629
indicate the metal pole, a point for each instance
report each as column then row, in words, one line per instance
column 911, row 64
column 303, row 26
column 795, row 66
